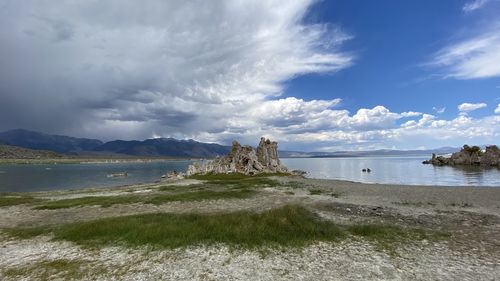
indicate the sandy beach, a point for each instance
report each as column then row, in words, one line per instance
column 468, row 216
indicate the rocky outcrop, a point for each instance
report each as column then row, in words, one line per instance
column 469, row 156
column 243, row 159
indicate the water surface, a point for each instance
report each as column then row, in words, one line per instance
column 394, row 170
column 74, row 176
column 391, row 170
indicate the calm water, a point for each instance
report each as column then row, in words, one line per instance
column 73, row 176
column 397, row 170
column 394, row 170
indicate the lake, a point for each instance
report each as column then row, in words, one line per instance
column 393, row 170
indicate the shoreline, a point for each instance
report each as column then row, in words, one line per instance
column 469, row 216
column 319, row 180
column 87, row 161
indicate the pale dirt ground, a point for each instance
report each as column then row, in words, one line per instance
column 470, row 214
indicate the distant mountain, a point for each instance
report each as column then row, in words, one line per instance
column 381, row 152
column 14, row 152
column 165, row 147
column 36, row 140
column 168, row 147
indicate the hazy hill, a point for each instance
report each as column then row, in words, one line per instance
column 165, row 147
column 14, row 152
column 36, row 140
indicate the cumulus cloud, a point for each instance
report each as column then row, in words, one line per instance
column 154, row 68
column 497, row 110
column 474, row 5
column 467, row 107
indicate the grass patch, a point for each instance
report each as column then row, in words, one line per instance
column 416, row 204
column 234, row 176
column 292, row 226
column 388, row 237
column 288, row 226
column 239, row 181
column 61, row 269
column 461, row 205
column 17, row 200
column 157, row 199
column 316, row 191
column 335, row 194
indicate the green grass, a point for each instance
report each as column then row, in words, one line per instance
column 157, row 199
column 288, row 226
column 239, row 181
column 234, row 176
column 388, row 237
column 60, row 269
column 17, row 200
column 416, row 204
column 462, row 205
column 316, row 191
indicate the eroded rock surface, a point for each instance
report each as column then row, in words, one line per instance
column 469, row 156
column 243, row 159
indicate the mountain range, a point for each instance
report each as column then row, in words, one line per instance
column 166, row 147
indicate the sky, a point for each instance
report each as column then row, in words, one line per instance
column 313, row 75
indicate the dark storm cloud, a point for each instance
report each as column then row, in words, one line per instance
column 133, row 69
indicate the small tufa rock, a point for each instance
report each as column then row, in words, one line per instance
column 173, row 175
column 243, row 159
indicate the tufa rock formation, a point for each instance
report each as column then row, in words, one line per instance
column 243, row 159
column 469, row 156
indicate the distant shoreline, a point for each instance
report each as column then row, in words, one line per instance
column 89, row 160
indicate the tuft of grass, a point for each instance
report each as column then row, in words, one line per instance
column 461, row 205
column 416, row 204
column 388, row 237
column 62, row 269
column 157, row 199
column 316, row 191
column 17, row 200
column 335, row 194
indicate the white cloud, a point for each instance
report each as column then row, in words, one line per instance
column 467, row 107
column 474, row 5
column 472, row 58
column 439, row 110
column 497, row 110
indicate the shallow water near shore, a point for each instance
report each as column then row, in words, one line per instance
column 385, row 170
column 21, row 178
column 394, row 170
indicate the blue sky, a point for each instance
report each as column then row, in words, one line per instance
column 393, row 41
column 313, row 75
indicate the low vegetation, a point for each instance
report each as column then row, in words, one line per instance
column 415, row 204
column 157, row 199
column 7, row 200
column 237, row 180
column 288, row 226
column 58, row 269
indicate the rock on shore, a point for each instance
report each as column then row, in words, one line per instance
column 469, row 156
column 243, row 159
